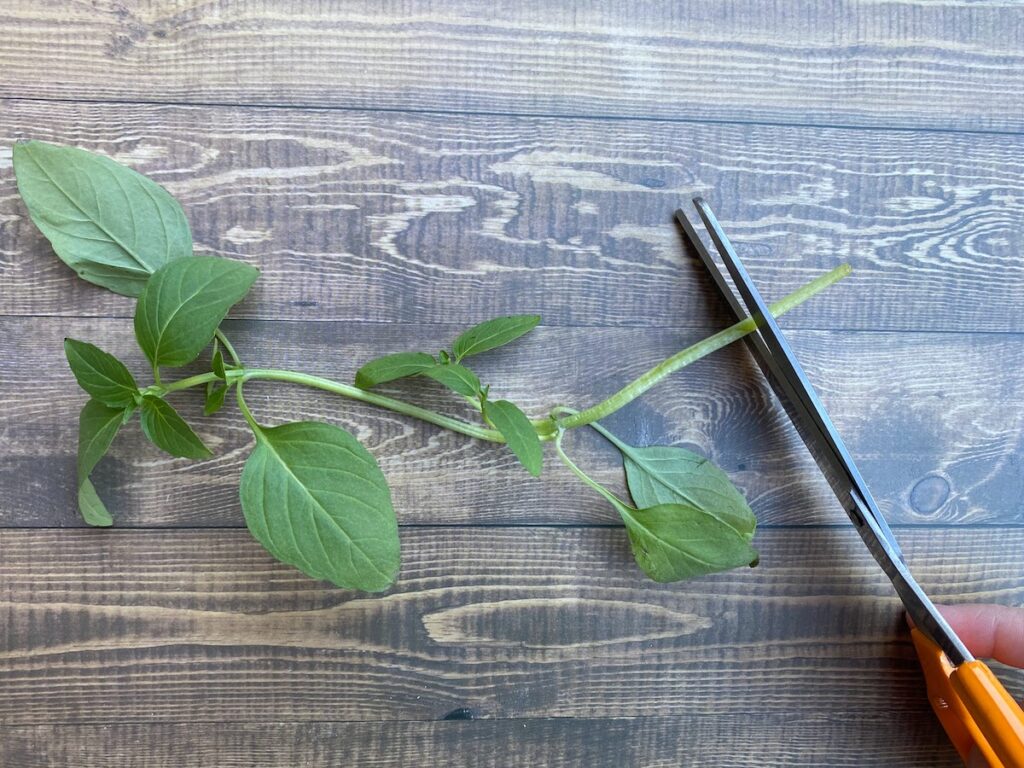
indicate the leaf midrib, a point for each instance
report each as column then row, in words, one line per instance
column 162, row 328
column 306, row 491
column 85, row 213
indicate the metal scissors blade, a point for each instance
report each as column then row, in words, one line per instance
column 789, row 382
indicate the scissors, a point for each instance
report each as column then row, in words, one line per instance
column 972, row 705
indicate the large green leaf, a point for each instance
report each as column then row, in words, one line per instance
column 101, row 374
column 518, row 432
column 316, row 499
column 493, row 333
column 673, row 542
column 167, row 430
column 111, row 225
column 391, row 367
column 457, row 378
column 661, row 474
column 97, row 426
column 184, row 302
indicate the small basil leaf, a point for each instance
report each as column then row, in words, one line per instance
column 101, row 374
column 673, row 542
column 214, row 398
column 113, row 226
column 518, row 431
column 97, row 426
column 129, row 412
column 493, row 333
column 218, row 365
column 663, row 474
column 316, row 499
column 167, row 430
column 91, row 506
column 391, row 367
column 184, row 302
column 457, row 378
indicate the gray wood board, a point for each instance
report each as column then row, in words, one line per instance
column 910, row 63
column 902, row 740
column 386, row 217
column 203, row 626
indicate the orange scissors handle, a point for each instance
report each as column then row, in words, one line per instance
column 973, row 706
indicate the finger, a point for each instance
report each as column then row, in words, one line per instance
column 989, row 631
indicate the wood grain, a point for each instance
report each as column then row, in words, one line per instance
column 388, row 217
column 432, row 165
column 907, row 63
column 176, row 626
column 902, row 740
column 934, row 420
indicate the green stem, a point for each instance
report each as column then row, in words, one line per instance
column 546, row 428
column 244, row 408
column 230, row 349
column 701, row 349
column 609, row 437
column 615, row 501
column 346, row 390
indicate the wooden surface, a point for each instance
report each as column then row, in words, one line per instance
column 401, row 171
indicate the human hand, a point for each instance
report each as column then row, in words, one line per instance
column 989, row 632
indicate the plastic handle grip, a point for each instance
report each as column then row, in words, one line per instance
column 997, row 715
column 973, row 707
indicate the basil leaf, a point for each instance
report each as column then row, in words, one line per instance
column 662, row 475
column 101, row 374
column 97, row 426
column 518, row 431
column 391, row 367
column 214, row 398
column 91, row 506
column 673, row 542
column 316, row 499
column 493, row 333
column 217, row 364
column 111, row 225
column 184, row 302
column 457, row 378
column 167, row 430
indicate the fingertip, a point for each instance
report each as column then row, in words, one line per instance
column 989, row 631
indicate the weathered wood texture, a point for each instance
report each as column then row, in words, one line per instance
column 908, row 63
column 473, row 159
column 403, row 218
column 934, row 420
column 193, row 626
column 893, row 741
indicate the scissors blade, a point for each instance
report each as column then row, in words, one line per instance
column 777, row 361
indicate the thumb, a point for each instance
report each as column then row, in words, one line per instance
column 989, row 631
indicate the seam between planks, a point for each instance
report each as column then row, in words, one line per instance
column 885, row 330
column 114, row 530
column 597, row 117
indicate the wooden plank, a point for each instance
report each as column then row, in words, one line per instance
column 903, row 740
column 933, row 419
column 912, row 63
column 403, row 218
column 191, row 626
